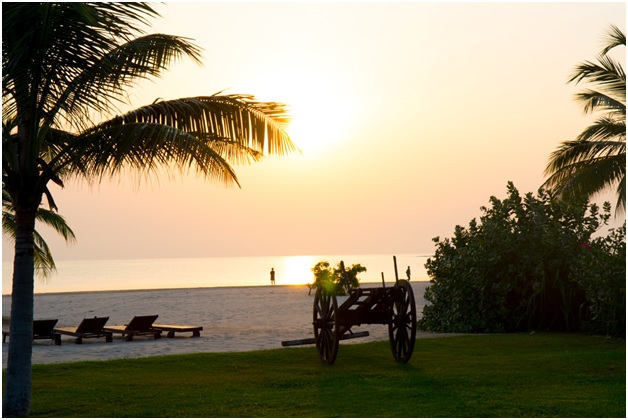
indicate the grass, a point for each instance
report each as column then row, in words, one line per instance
column 520, row 375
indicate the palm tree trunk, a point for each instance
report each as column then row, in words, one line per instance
column 17, row 392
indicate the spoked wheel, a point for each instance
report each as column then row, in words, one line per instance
column 402, row 326
column 326, row 325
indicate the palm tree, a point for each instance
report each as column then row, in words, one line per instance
column 596, row 159
column 64, row 65
column 44, row 262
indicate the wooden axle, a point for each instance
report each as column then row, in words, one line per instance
column 305, row 341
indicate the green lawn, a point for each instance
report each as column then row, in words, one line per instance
column 521, row 375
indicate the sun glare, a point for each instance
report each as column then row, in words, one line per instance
column 323, row 113
column 296, row 270
column 315, row 127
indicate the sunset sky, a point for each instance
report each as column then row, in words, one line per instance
column 410, row 116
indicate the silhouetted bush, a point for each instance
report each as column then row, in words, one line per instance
column 529, row 264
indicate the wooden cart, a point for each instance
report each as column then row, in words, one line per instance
column 393, row 306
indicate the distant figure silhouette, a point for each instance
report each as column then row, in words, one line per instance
column 408, row 272
column 272, row 276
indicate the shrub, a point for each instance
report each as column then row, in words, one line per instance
column 338, row 279
column 523, row 267
column 601, row 271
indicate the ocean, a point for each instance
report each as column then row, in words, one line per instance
column 174, row 273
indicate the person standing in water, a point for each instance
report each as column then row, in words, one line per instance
column 272, row 276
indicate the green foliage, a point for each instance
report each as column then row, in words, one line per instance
column 337, row 280
column 527, row 266
column 601, row 271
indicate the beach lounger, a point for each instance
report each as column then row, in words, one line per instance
column 194, row 329
column 88, row 328
column 139, row 325
column 42, row 329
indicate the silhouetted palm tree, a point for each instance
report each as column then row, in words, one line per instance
column 596, row 159
column 63, row 66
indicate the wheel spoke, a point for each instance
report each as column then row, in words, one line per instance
column 402, row 327
column 325, row 327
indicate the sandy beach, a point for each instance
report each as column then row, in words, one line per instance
column 233, row 319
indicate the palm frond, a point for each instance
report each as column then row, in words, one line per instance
column 260, row 125
column 578, row 169
column 46, row 45
column 587, row 177
column 53, row 141
column 576, row 151
column 44, row 261
column 10, row 160
column 621, row 195
column 606, row 72
column 593, row 100
column 604, row 128
column 208, row 133
column 8, row 224
column 144, row 147
column 57, row 222
column 615, row 38
column 608, row 75
column 79, row 55
column 596, row 160
column 106, row 80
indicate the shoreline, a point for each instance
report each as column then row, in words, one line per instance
column 159, row 289
column 365, row 284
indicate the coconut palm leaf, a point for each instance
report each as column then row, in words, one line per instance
column 614, row 39
column 596, row 159
column 115, row 72
column 605, row 128
column 587, row 167
column 44, row 262
column 593, row 100
column 607, row 73
column 609, row 76
column 208, row 133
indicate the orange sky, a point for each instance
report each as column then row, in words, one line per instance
column 410, row 116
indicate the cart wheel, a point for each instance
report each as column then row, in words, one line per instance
column 326, row 325
column 402, row 326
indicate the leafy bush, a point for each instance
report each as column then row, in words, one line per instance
column 339, row 279
column 524, row 267
column 601, row 271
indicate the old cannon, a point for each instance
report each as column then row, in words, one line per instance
column 393, row 306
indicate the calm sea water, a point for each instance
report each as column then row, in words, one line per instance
column 140, row 274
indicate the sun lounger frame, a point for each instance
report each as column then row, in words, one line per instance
column 139, row 325
column 42, row 330
column 88, row 328
column 172, row 329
